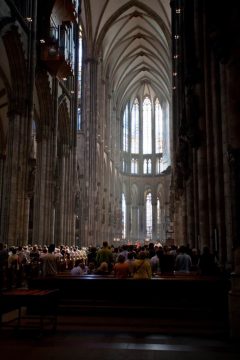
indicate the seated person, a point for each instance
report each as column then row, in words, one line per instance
column 78, row 268
column 91, row 268
column 102, row 269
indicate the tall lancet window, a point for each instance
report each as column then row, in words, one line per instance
column 147, row 166
column 158, row 127
column 135, row 128
column 147, row 126
column 125, row 129
column 134, row 166
column 158, row 165
column 124, row 217
column 149, row 215
column 158, row 217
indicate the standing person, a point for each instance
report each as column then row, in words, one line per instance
column 141, row 267
column 22, row 260
column 121, row 268
column 91, row 256
column 13, row 268
column 183, row 261
column 33, row 267
column 50, row 262
column 130, row 260
column 155, row 262
column 151, row 250
column 124, row 251
column 105, row 255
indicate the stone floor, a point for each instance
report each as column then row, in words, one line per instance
column 116, row 338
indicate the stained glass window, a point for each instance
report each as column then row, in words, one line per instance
column 125, row 129
column 135, row 128
column 147, row 126
column 158, row 127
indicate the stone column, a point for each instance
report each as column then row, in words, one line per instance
column 177, row 227
column 154, row 217
column 134, row 232
column 228, row 159
column 219, row 237
column 196, row 200
column 181, row 228
column 2, row 177
column 209, row 95
column 190, row 213
column 13, row 226
column 233, row 148
column 72, row 220
column 162, row 229
column 234, row 298
column 129, row 219
column 141, row 224
column 66, row 197
column 60, row 188
column 25, row 219
column 91, row 140
column 44, row 190
column 202, row 160
column 203, row 195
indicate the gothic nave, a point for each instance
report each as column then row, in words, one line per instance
column 119, row 122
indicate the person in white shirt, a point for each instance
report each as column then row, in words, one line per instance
column 77, row 270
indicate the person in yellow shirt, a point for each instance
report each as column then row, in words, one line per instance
column 141, row 267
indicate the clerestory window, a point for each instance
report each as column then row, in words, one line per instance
column 144, row 133
column 147, row 126
column 134, row 166
column 135, row 128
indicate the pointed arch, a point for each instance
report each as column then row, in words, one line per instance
column 64, row 122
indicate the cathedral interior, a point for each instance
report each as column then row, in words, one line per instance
column 119, row 122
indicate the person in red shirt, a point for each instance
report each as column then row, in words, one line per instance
column 121, row 268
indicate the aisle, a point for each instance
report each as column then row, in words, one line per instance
column 98, row 338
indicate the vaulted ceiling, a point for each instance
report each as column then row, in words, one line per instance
column 133, row 40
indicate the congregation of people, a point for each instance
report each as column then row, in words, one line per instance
column 18, row 264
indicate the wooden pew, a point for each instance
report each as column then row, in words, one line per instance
column 175, row 295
